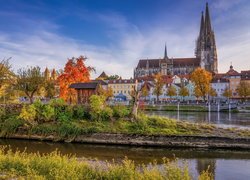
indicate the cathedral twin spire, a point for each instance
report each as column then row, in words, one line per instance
column 205, row 45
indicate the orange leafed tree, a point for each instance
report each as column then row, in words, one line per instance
column 75, row 71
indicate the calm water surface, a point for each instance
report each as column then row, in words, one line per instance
column 223, row 164
column 220, row 119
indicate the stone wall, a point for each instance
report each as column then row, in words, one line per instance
column 11, row 108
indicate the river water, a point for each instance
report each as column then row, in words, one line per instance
column 225, row 119
column 223, row 164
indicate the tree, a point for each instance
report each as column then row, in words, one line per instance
column 50, row 89
column 171, row 91
column 243, row 89
column 7, row 80
column 212, row 92
column 145, row 89
column 113, row 77
column 135, row 94
column 29, row 81
column 201, row 78
column 107, row 93
column 158, row 85
column 75, row 71
column 6, row 73
column 184, row 92
column 227, row 92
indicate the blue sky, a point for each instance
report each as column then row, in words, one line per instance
column 115, row 34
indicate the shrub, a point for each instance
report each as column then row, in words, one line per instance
column 121, row 111
column 2, row 113
column 98, row 108
column 57, row 102
column 106, row 113
column 28, row 113
column 48, row 113
column 80, row 112
column 10, row 125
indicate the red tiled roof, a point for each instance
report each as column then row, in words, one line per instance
column 122, row 81
column 232, row 72
column 221, row 80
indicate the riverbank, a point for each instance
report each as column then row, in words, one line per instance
column 170, row 141
column 146, row 131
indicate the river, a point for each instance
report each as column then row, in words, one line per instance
column 225, row 119
column 223, row 164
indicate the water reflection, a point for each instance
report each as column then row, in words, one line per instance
column 221, row 118
column 237, row 163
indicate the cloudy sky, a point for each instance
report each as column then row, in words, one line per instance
column 115, row 34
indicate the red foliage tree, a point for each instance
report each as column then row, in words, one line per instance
column 75, row 71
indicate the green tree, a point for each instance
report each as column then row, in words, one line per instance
column 113, row 77
column 183, row 92
column 6, row 74
column 50, row 89
column 243, row 89
column 29, row 81
column 201, row 78
column 159, row 83
column 98, row 108
column 171, row 91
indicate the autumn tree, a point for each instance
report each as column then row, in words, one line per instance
column 201, row 78
column 107, row 93
column 145, row 89
column 183, row 92
column 227, row 92
column 159, row 83
column 7, row 80
column 75, row 71
column 29, row 81
column 171, row 91
column 243, row 89
column 212, row 92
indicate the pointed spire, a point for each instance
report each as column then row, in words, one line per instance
column 202, row 25
column 208, row 27
column 165, row 53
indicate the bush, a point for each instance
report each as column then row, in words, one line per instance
column 2, row 113
column 28, row 113
column 106, row 113
column 62, row 111
column 10, row 125
column 80, row 112
column 121, row 111
column 98, row 109
column 44, row 112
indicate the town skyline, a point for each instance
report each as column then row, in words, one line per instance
column 114, row 36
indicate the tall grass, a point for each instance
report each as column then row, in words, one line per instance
column 52, row 166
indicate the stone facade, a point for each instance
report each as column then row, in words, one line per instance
column 205, row 56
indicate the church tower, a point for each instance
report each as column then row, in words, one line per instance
column 205, row 45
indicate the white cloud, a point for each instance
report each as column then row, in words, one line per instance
column 44, row 47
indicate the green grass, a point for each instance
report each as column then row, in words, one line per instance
column 145, row 125
column 21, row 165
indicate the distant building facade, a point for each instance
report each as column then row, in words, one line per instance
column 205, row 56
column 122, row 87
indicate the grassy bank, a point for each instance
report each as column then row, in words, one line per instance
column 21, row 165
column 145, row 125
